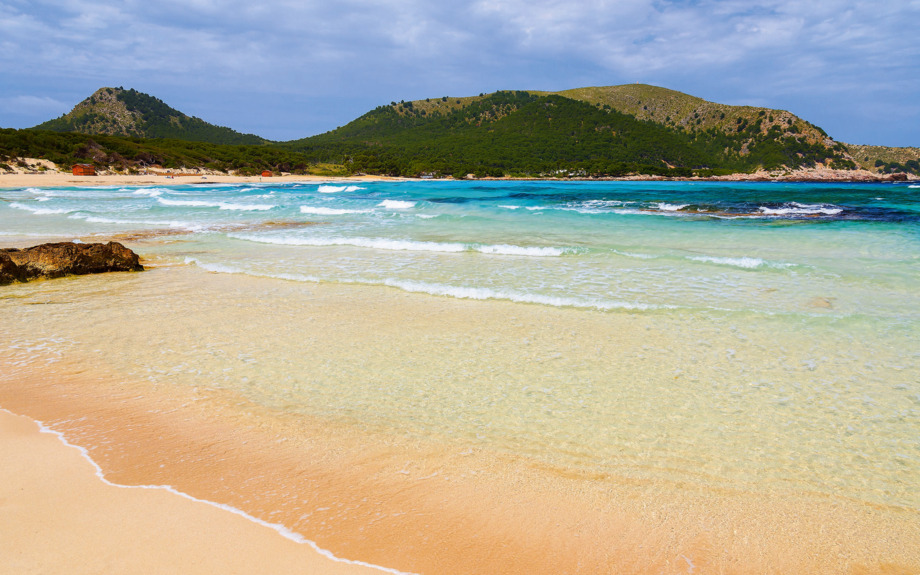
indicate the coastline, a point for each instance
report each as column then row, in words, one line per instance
column 428, row 506
column 64, row 179
column 60, row 517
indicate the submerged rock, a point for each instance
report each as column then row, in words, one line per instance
column 55, row 260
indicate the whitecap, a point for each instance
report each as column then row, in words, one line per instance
column 396, row 205
column 38, row 211
column 219, row 205
column 665, row 207
column 327, row 189
column 149, row 192
column 797, row 209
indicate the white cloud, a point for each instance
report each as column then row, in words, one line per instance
column 395, row 49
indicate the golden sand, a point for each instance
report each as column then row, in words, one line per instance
column 427, row 506
column 57, row 516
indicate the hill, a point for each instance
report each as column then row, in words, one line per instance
column 120, row 112
column 601, row 131
column 598, row 131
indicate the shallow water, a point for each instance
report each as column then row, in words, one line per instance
column 753, row 336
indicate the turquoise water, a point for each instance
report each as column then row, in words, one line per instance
column 741, row 333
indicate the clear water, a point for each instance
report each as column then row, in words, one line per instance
column 754, row 335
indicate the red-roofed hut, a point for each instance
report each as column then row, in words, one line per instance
column 84, row 170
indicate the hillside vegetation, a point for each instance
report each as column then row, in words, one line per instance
column 120, row 112
column 605, row 131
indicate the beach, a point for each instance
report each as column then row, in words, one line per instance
column 437, row 430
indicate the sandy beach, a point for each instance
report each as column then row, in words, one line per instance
column 59, row 517
column 193, row 378
column 54, row 179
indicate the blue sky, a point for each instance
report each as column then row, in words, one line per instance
column 286, row 69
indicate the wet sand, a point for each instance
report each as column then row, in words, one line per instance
column 57, row 516
column 428, row 505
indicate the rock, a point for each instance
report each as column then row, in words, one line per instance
column 55, row 260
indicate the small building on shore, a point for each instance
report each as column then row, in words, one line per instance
column 84, row 170
column 266, row 174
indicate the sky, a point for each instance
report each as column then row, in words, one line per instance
column 287, row 69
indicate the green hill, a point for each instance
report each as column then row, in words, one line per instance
column 600, row 131
column 603, row 131
column 120, row 112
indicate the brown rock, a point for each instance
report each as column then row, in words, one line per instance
column 59, row 259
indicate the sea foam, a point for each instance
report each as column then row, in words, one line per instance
column 38, row 211
column 326, row 189
column 408, row 245
column 797, row 209
column 396, row 204
column 220, row 205
column 742, row 262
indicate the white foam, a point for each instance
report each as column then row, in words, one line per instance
column 172, row 224
column 795, row 208
column 743, row 262
column 277, row 527
column 327, row 189
column 509, row 250
column 510, row 295
column 407, row 245
column 511, row 207
column 396, row 205
column 635, row 255
column 38, row 211
column 220, row 205
column 671, row 207
column 913, row 186
column 149, row 192
column 321, row 211
column 426, row 216
column 374, row 243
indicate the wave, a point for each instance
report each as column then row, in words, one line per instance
column 912, row 186
column 797, row 209
column 665, row 207
column 509, row 250
column 39, row 211
column 409, row 245
column 396, row 205
column 458, row 292
column 635, row 255
column 380, row 244
column 515, row 296
column 321, row 211
column 326, row 189
column 192, row 227
column 149, row 192
column 220, row 205
column 742, row 262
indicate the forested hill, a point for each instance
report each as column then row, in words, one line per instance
column 547, row 133
column 120, row 112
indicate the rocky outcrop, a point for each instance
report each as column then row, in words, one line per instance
column 55, row 260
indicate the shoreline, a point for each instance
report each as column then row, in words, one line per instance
column 63, row 179
column 54, row 494
column 427, row 506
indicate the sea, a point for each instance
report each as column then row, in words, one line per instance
column 750, row 336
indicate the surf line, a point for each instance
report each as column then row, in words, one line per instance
column 279, row 528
